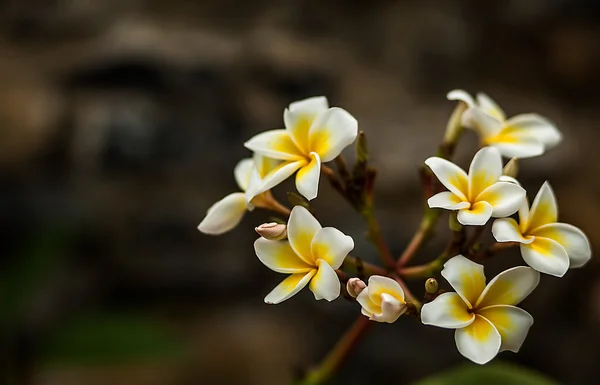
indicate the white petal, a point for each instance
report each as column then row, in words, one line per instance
column 325, row 284
column 277, row 144
column 536, row 127
column 264, row 165
column 224, row 215
column 255, row 183
column 544, row 209
column 288, row 287
column 484, row 124
column 485, row 170
column 279, row 256
column 489, row 106
column 307, row 178
column 510, row 147
column 302, row 228
column 450, row 175
column 546, row 256
column 461, row 95
column 507, row 230
column 511, row 322
column 447, row 200
column 300, row 116
column 509, row 179
column 242, row 173
column 505, row 198
column 332, row 246
column 477, row 215
column 391, row 309
column 574, row 241
column 310, row 106
column 331, row 132
column 379, row 285
column 466, row 277
column 448, row 311
column 276, row 176
column 509, row 287
column 369, row 308
column 479, row 342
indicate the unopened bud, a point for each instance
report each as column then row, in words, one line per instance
column 272, row 231
column 455, row 126
column 355, row 286
column 512, row 168
column 362, row 152
column 431, row 286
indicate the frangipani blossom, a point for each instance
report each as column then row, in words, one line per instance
column 547, row 245
column 523, row 136
column 225, row 214
column 311, row 254
column 481, row 194
column 382, row 300
column 314, row 134
column 485, row 317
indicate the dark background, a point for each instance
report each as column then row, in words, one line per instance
column 121, row 121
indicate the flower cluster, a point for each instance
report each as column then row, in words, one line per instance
column 485, row 317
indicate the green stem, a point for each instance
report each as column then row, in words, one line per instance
column 361, row 268
column 376, row 237
column 421, row 236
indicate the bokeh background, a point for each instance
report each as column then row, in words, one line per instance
column 121, row 121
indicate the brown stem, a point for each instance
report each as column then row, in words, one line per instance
column 492, row 249
column 421, row 236
column 376, row 237
column 361, row 268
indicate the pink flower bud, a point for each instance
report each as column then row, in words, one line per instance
column 355, row 286
column 272, row 231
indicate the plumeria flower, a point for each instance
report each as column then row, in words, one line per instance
column 481, row 194
column 547, row 245
column 485, row 317
column 314, row 134
column 382, row 300
column 311, row 254
column 523, row 136
column 225, row 214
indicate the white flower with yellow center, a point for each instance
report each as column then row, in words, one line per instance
column 225, row 214
column 479, row 195
column 382, row 300
column 523, row 136
column 485, row 317
column 548, row 246
column 311, row 254
column 314, row 134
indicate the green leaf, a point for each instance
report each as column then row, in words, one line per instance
column 109, row 339
column 491, row 374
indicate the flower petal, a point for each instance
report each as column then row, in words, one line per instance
column 479, row 342
column 505, row 198
column 462, row 96
column 242, row 173
column 510, row 146
column 511, row 322
column 272, row 179
column 546, row 256
column 477, row 215
column 544, row 209
column 310, row 106
column 391, row 309
column 507, row 230
column 277, row 144
column 450, row 175
column 534, row 126
column 331, row 132
column 368, row 306
column 224, row 215
column 264, row 165
column 447, row 200
column 325, row 284
column 509, row 287
column 307, row 178
column 466, row 277
column 489, row 106
column 572, row 239
column 300, row 116
column 484, row 124
column 279, row 256
column 379, row 285
column 332, row 246
column 302, row 228
column 485, row 170
column 288, row 287
column 448, row 311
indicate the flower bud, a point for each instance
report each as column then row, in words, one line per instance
column 431, row 286
column 512, row 168
column 272, row 231
column 454, row 126
column 355, row 286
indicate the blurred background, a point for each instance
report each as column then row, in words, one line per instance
column 121, row 122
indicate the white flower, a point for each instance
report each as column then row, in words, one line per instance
column 482, row 194
column 225, row 214
column 311, row 254
column 485, row 318
column 382, row 300
column 523, row 136
column 314, row 133
column 548, row 246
